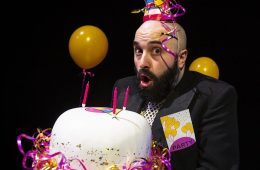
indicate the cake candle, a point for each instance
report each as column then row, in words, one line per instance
column 114, row 100
column 85, row 95
column 126, row 98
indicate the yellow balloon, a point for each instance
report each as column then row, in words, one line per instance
column 88, row 46
column 206, row 66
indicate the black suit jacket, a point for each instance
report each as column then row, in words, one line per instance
column 212, row 104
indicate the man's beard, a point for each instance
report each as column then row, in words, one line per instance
column 162, row 85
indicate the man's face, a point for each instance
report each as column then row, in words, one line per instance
column 153, row 64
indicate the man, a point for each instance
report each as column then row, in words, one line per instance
column 191, row 114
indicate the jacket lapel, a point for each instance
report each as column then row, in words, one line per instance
column 170, row 106
column 175, row 105
column 135, row 103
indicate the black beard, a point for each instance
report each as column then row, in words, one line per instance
column 162, row 85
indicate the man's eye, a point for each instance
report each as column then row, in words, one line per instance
column 138, row 51
column 157, row 50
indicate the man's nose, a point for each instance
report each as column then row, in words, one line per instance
column 145, row 61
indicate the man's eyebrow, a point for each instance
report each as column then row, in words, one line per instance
column 155, row 42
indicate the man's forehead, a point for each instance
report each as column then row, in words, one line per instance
column 149, row 31
column 148, row 43
column 148, row 36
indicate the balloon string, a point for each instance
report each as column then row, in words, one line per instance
column 85, row 73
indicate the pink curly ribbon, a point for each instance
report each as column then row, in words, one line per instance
column 41, row 159
column 180, row 10
column 159, row 159
column 169, row 10
column 170, row 34
column 166, row 48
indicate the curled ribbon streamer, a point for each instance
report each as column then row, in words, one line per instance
column 180, row 10
column 171, row 34
column 169, row 10
column 167, row 15
column 166, row 48
column 141, row 164
column 19, row 141
column 160, row 156
column 41, row 159
column 159, row 159
column 41, row 142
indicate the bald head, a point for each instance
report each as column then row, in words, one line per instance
column 152, row 30
column 150, row 37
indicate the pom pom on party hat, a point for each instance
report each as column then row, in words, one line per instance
column 161, row 10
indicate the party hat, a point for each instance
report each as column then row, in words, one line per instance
column 161, row 10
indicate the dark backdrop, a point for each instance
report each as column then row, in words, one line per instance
column 41, row 80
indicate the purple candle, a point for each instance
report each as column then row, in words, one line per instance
column 85, row 95
column 114, row 100
column 126, row 98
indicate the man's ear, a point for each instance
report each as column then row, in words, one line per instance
column 182, row 58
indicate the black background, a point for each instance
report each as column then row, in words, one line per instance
column 42, row 81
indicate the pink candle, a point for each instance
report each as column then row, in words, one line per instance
column 114, row 100
column 85, row 95
column 126, row 98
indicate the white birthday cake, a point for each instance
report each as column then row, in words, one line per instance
column 101, row 139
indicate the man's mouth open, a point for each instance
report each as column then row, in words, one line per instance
column 145, row 81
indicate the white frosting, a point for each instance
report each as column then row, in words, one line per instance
column 100, row 140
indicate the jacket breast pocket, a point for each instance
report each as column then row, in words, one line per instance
column 178, row 130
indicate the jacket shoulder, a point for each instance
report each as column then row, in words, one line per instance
column 209, row 85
